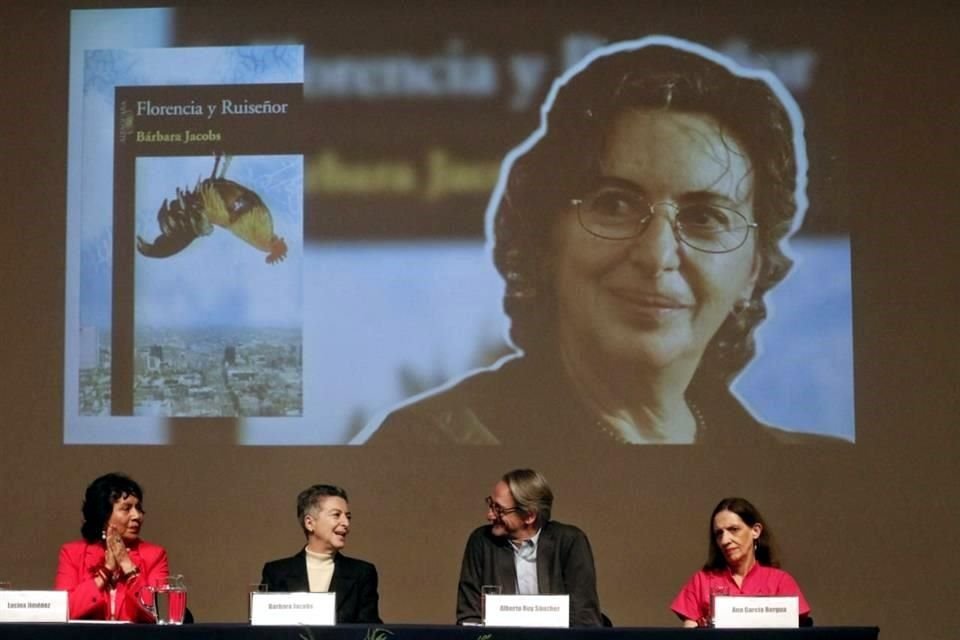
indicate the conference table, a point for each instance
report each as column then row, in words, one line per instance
column 230, row 631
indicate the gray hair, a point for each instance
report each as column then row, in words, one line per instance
column 311, row 498
column 531, row 492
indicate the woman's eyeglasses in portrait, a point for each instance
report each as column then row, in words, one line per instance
column 617, row 213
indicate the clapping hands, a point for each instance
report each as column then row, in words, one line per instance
column 116, row 552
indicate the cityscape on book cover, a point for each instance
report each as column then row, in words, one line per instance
column 215, row 372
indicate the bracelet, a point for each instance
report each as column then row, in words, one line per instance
column 103, row 575
column 130, row 575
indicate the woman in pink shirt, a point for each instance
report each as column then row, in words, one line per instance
column 741, row 560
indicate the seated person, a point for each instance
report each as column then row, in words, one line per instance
column 740, row 560
column 524, row 552
column 105, row 572
column 324, row 515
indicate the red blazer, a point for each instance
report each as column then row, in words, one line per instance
column 77, row 568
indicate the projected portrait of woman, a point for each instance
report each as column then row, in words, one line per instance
column 637, row 236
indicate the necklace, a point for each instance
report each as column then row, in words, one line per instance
column 607, row 429
column 698, row 418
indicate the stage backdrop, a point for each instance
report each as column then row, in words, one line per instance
column 382, row 289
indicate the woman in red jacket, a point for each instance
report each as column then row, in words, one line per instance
column 106, row 571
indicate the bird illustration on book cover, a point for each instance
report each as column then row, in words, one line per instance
column 214, row 201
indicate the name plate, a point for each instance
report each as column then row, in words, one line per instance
column 33, row 606
column 527, row 611
column 282, row 609
column 756, row 612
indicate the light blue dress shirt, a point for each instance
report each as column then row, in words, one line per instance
column 525, row 561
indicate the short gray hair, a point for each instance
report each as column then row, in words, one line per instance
column 311, row 497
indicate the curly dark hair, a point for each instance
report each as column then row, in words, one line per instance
column 99, row 499
column 765, row 552
column 563, row 162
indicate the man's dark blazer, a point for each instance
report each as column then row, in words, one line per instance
column 564, row 566
column 354, row 581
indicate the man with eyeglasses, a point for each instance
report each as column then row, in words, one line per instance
column 523, row 551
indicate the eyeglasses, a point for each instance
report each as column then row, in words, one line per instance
column 498, row 510
column 615, row 213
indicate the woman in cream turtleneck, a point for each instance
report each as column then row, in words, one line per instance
column 324, row 514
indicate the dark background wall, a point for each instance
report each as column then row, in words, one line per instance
column 869, row 531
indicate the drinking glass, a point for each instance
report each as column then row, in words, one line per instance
column 487, row 590
column 253, row 588
column 716, row 590
column 168, row 600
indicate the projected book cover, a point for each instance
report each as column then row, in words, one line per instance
column 302, row 245
column 190, row 297
column 213, row 199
